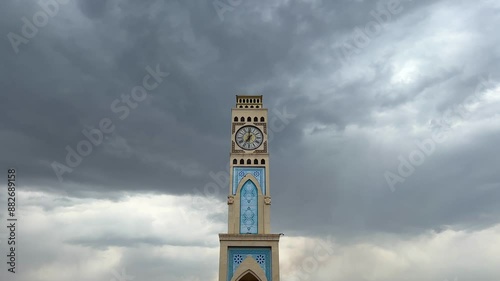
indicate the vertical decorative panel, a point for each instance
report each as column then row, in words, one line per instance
column 248, row 208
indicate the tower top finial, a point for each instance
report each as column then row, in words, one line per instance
column 248, row 101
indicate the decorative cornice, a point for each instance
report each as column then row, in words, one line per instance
column 249, row 237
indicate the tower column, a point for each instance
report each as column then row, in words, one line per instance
column 249, row 251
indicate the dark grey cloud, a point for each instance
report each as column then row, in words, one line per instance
column 93, row 8
column 352, row 120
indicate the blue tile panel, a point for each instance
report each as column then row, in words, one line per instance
column 248, row 208
column 261, row 255
column 258, row 173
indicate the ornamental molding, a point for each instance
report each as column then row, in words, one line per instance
column 264, row 150
column 249, row 237
column 264, row 126
column 267, row 200
column 234, row 150
column 237, row 124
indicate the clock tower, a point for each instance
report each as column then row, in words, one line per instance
column 248, row 251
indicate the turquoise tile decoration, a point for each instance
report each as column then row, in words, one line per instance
column 248, row 208
column 258, row 173
column 261, row 255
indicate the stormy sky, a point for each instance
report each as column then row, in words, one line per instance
column 384, row 149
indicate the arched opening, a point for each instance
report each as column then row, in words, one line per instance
column 255, row 161
column 248, row 208
column 262, row 119
column 246, row 106
column 255, row 119
column 242, row 161
column 235, row 119
column 249, row 119
column 249, row 161
column 248, row 277
column 262, row 161
column 235, row 161
column 242, row 119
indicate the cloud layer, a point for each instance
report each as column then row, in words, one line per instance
column 368, row 86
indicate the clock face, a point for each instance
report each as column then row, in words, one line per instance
column 249, row 137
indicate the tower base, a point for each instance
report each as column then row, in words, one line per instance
column 249, row 257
